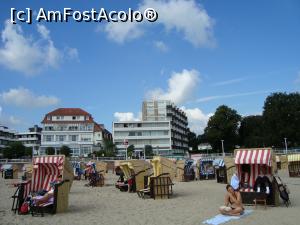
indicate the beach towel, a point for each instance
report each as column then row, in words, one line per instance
column 220, row 219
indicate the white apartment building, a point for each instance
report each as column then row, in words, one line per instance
column 163, row 126
column 31, row 138
column 75, row 128
column 142, row 133
column 6, row 136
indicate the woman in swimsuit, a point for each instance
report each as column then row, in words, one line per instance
column 233, row 202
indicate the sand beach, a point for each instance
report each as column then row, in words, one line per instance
column 192, row 203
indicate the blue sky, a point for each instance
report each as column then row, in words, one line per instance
column 199, row 54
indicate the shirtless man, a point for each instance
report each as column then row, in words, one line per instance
column 233, row 202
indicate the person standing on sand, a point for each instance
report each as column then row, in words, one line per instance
column 233, row 203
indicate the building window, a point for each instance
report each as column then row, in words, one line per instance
column 73, row 137
column 48, row 138
column 86, row 150
column 131, row 133
column 60, row 138
column 73, row 117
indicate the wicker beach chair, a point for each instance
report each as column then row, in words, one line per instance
column 136, row 173
column 294, row 165
column 207, row 171
column 249, row 163
column 45, row 170
column 10, row 171
column 161, row 184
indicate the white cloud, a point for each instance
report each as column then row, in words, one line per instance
column 26, row 55
column 228, row 82
column 22, row 97
column 44, row 32
column 161, row 46
column 197, row 119
column 72, row 53
column 0, row 110
column 185, row 17
column 181, row 87
column 123, row 31
column 216, row 97
column 126, row 116
column 182, row 16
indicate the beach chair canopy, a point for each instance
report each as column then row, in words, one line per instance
column 47, row 169
column 253, row 156
column 218, row 163
column 7, row 167
column 208, row 159
column 294, row 158
column 163, row 165
column 135, row 167
column 256, row 159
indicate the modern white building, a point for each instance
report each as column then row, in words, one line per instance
column 31, row 138
column 142, row 133
column 7, row 136
column 75, row 128
column 163, row 126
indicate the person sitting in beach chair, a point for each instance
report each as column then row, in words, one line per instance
column 245, row 177
column 262, row 182
column 233, row 203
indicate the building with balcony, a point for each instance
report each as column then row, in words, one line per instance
column 163, row 126
column 31, row 138
column 75, row 128
column 7, row 136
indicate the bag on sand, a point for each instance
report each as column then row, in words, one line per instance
column 24, row 208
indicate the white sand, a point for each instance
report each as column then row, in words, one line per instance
column 192, row 203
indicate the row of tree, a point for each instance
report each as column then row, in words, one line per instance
column 280, row 119
column 16, row 150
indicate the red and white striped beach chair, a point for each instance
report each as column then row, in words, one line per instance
column 46, row 169
column 255, row 158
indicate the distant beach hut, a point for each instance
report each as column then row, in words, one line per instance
column 9, row 171
column 249, row 164
column 224, row 168
column 185, row 170
column 78, row 169
column 294, row 165
column 206, row 168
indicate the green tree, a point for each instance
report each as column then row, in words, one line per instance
column 193, row 140
column 251, row 132
column 8, row 153
column 281, row 117
column 65, row 150
column 148, row 150
column 223, row 125
column 130, row 150
column 50, row 151
column 109, row 147
column 28, row 151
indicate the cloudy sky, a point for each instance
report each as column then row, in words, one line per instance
column 199, row 54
